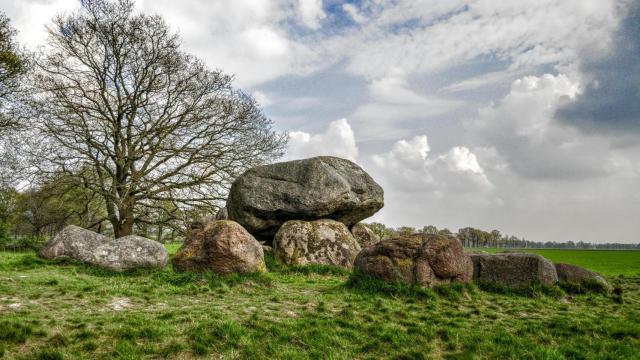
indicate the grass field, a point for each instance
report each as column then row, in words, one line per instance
column 606, row 262
column 65, row 310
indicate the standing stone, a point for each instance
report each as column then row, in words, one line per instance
column 325, row 242
column 265, row 197
column 513, row 270
column 423, row 259
column 224, row 247
column 364, row 236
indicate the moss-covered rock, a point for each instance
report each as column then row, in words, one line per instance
column 421, row 259
column 323, row 242
column 587, row 279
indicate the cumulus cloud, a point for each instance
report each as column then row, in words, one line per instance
column 408, row 167
column 311, row 13
column 243, row 37
column 247, row 38
column 530, row 141
column 338, row 140
column 31, row 16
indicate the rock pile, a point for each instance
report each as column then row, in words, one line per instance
column 308, row 212
column 125, row 253
column 304, row 209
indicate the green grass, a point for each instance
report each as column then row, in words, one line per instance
column 72, row 311
column 606, row 262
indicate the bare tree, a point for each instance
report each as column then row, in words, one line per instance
column 155, row 127
column 13, row 66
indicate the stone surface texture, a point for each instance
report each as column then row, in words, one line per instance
column 324, row 242
column 223, row 247
column 422, row 259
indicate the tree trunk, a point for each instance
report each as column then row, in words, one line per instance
column 124, row 224
column 159, row 235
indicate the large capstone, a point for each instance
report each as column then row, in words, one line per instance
column 223, row 247
column 421, row 259
column 125, row 253
column 265, row 197
column 323, row 242
column 513, row 270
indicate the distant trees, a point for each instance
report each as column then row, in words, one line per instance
column 149, row 129
column 475, row 238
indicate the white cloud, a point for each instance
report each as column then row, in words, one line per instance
column 262, row 98
column 243, row 37
column 409, row 168
column 31, row 16
column 423, row 37
column 338, row 140
column 311, row 13
column 530, row 141
column 354, row 13
column 394, row 104
column 246, row 38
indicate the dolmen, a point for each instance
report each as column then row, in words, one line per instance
column 308, row 211
column 122, row 254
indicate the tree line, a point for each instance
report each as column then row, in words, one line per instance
column 475, row 238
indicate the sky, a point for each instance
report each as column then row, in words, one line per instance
column 522, row 116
